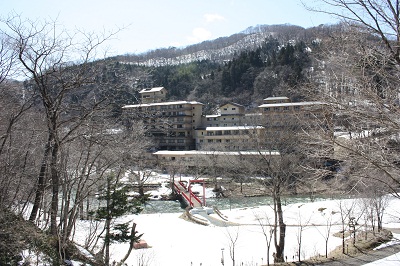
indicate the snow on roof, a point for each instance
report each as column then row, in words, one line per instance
column 231, row 103
column 289, row 104
column 152, row 89
column 158, row 104
column 194, row 152
column 233, row 128
column 276, row 98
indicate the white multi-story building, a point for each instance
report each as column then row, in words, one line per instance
column 181, row 125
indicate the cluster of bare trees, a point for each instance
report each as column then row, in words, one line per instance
column 359, row 83
column 58, row 139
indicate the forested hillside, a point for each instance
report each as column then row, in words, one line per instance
column 263, row 61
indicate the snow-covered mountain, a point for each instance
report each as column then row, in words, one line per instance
column 218, row 50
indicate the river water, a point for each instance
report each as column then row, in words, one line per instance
column 226, row 203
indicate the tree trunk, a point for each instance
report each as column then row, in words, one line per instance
column 279, row 245
column 130, row 245
column 326, row 248
column 55, row 188
column 107, row 241
column 141, row 189
column 40, row 183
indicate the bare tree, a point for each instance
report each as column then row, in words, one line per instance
column 45, row 53
column 374, row 205
column 233, row 236
column 278, row 164
column 346, row 213
column 267, row 230
column 326, row 233
column 7, row 58
column 360, row 86
column 78, row 122
column 302, row 225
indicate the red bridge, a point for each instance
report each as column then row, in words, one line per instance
column 186, row 192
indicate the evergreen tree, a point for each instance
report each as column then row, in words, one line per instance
column 117, row 202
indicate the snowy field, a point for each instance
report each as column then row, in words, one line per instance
column 175, row 241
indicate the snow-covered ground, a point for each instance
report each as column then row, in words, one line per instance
column 175, row 241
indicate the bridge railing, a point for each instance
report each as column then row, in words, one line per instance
column 191, row 194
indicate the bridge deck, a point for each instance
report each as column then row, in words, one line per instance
column 192, row 199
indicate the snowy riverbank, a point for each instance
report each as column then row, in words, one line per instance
column 175, row 241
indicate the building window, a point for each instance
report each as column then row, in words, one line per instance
column 201, row 141
column 286, row 108
column 218, row 140
column 266, row 109
column 181, row 141
column 233, row 108
column 276, row 108
column 210, row 141
column 225, row 109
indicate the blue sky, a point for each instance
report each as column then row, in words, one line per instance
column 152, row 24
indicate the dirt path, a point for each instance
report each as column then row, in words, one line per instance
column 364, row 258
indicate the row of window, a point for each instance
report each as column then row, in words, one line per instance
column 278, row 109
column 226, row 140
column 216, row 119
column 225, row 125
column 172, row 141
column 227, row 132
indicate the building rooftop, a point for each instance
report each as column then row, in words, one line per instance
column 276, row 98
column 232, row 103
column 152, row 89
column 158, row 104
column 289, row 104
column 233, row 128
column 194, row 152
